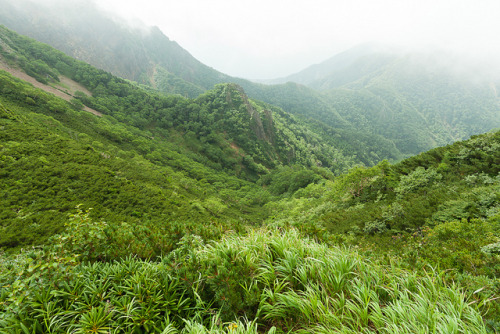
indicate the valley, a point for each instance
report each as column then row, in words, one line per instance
column 145, row 192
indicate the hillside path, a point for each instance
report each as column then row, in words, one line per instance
column 62, row 92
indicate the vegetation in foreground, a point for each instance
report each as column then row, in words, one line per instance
column 273, row 282
column 173, row 243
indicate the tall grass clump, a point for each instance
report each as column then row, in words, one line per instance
column 273, row 282
column 295, row 284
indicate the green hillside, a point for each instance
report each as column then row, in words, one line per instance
column 376, row 102
column 419, row 107
column 157, row 213
column 316, row 110
column 457, row 182
column 258, row 136
column 150, row 58
column 149, row 157
column 55, row 158
column 144, row 55
column 417, row 101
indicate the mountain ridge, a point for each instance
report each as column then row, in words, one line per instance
column 112, row 40
column 364, row 98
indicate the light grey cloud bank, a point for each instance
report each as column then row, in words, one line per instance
column 261, row 39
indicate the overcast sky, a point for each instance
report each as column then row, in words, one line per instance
column 263, row 39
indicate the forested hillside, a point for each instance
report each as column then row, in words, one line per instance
column 415, row 100
column 376, row 101
column 156, row 158
column 419, row 106
column 55, row 158
column 157, row 213
column 144, row 55
column 253, row 280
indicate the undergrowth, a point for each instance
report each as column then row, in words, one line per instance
column 274, row 282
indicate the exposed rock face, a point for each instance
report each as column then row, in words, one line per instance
column 263, row 133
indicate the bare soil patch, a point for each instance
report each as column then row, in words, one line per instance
column 67, row 87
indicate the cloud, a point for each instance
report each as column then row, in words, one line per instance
column 273, row 38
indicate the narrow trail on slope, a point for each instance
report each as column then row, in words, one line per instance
column 62, row 92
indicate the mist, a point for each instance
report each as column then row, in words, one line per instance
column 264, row 39
column 268, row 39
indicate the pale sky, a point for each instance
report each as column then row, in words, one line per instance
column 264, row 39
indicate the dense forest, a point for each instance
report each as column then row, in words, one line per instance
column 220, row 213
column 376, row 101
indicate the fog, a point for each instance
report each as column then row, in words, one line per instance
column 265, row 39
column 272, row 38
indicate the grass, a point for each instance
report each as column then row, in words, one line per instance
column 275, row 282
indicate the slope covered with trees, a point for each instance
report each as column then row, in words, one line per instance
column 387, row 104
column 156, row 158
column 55, row 158
column 415, row 100
column 83, row 31
column 255, row 132
column 419, row 106
column 147, row 56
column 223, row 214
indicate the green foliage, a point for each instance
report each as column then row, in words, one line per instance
column 175, row 183
column 378, row 105
column 84, row 237
column 413, row 101
column 129, row 296
column 286, row 280
column 77, row 104
column 419, row 178
column 289, row 179
column 222, row 127
column 315, row 110
column 493, row 248
column 408, row 195
column 374, row 227
column 50, row 166
column 457, row 245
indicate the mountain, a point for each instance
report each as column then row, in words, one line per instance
column 417, row 100
column 340, row 69
column 221, row 137
column 372, row 101
column 56, row 158
column 189, row 150
column 180, row 237
column 128, row 210
column 357, row 66
column 418, row 106
column 142, row 54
